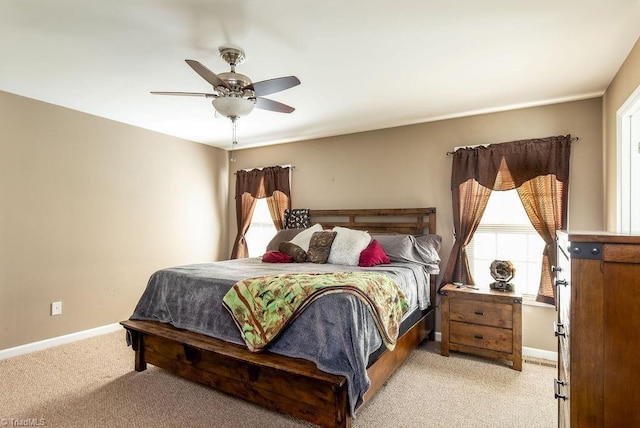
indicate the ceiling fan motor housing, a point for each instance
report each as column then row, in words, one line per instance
column 236, row 81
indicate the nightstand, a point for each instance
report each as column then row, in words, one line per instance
column 482, row 322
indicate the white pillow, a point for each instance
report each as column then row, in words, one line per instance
column 347, row 246
column 303, row 238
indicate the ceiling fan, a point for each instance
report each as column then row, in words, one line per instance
column 234, row 94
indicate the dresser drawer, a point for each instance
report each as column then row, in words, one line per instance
column 621, row 253
column 484, row 313
column 479, row 336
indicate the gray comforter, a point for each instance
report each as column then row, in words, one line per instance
column 336, row 332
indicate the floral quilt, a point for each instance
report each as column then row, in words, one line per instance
column 262, row 307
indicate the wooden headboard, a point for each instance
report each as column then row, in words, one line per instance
column 412, row 221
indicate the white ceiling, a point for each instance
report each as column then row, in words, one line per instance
column 363, row 64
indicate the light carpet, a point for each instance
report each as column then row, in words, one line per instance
column 91, row 383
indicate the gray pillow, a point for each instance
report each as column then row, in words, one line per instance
column 421, row 249
column 281, row 236
column 428, row 247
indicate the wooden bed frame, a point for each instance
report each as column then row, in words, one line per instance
column 290, row 385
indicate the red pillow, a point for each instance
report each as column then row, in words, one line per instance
column 276, row 257
column 373, row 255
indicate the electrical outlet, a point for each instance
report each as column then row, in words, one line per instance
column 56, row 308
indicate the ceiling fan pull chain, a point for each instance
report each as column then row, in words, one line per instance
column 234, row 141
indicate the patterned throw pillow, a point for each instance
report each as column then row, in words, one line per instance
column 296, row 218
column 299, row 255
column 320, row 246
column 303, row 238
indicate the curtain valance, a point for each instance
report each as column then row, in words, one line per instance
column 261, row 183
column 513, row 163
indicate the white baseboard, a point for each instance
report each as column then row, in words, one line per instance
column 60, row 340
column 539, row 353
column 526, row 351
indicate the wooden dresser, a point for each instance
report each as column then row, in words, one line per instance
column 482, row 322
column 597, row 279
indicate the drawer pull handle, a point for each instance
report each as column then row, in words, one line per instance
column 557, row 383
column 557, row 327
column 479, row 313
column 478, row 336
column 562, row 282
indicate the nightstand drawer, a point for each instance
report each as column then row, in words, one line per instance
column 479, row 336
column 484, row 313
column 483, row 322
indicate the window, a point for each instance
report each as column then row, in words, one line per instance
column 629, row 164
column 505, row 233
column 261, row 230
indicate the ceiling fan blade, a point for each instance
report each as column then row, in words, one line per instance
column 266, row 104
column 272, row 86
column 186, row 94
column 206, row 74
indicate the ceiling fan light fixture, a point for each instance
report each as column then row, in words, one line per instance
column 233, row 106
column 235, row 95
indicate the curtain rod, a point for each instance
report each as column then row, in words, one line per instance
column 450, row 153
column 263, row 167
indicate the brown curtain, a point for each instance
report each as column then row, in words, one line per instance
column 272, row 183
column 469, row 201
column 543, row 198
column 540, row 165
column 277, row 203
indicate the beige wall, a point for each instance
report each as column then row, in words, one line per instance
column 622, row 86
column 89, row 209
column 408, row 167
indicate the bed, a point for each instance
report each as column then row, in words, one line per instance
column 278, row 378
